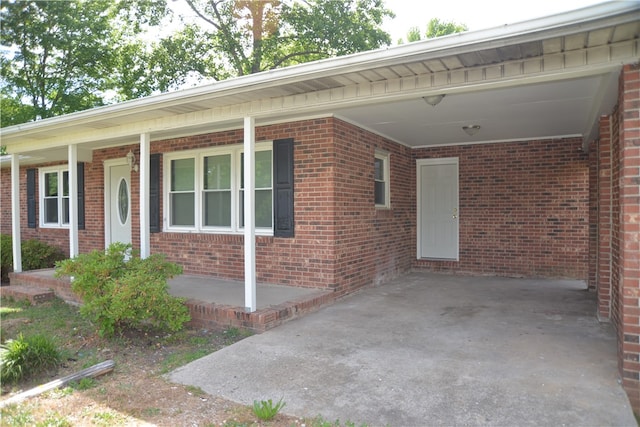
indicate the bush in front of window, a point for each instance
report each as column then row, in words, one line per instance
column 121, row 291
column 35, row 255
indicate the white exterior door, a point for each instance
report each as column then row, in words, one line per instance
column 437, row 208
column 117, row 203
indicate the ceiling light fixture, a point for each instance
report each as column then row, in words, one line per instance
column 433, row 100
column 471, row 129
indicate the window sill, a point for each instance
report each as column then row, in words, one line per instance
column 266, row 233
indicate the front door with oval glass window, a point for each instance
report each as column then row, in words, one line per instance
column 119, row 204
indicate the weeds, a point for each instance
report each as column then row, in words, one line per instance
column 26, row 356
column 54, row 420
column 85, row 384
column 266, row 410
column 17, row 416
column 179, row 359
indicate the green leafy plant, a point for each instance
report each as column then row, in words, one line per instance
column 85, row 384
column 120, row 290
column 25, row 356
column 35, row 255
column 266, row 410
column 6, row 256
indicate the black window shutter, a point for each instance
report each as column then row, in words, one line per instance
column 31, row 198
column 154, row 193
column 283, row 188
column 80, row 196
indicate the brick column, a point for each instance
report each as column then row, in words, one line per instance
column 629, row 266
column 604, row 200
column 592, row 273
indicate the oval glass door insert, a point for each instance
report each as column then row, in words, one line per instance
column 123, row 201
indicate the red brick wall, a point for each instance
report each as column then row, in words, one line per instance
column 524, row 209
column 627, row 233
column 372, row 244
column 535, row 193
column 305, row 260
column 604, row 205
column 332, row 247
column 341, row 241
column 592, row 280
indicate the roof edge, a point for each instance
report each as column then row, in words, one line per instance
column 563, row 24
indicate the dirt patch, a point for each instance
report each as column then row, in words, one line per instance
column 136, row 392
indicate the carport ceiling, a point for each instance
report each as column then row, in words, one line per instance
column 545, row 110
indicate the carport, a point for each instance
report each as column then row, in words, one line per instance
column 430, row 349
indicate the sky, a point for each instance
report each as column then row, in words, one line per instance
column 476, row 14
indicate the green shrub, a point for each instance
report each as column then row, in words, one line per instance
column 35, row 255
column 120, row 290
column 266, row 410
column 25, row 356
column 6, row 256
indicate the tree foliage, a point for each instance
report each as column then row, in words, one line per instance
column 61, row 56
column 435, row 28
column 438, row 28
column 252, row 36
column 64, row 56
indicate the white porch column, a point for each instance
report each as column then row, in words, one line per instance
column 15, row 213
column 145, row 147
column 73, row 201
column 249, row 215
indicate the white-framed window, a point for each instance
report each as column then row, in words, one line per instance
column 54, row 197
column 381, row 179
column 205, row 190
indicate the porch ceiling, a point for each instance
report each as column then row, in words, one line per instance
column 550, row 77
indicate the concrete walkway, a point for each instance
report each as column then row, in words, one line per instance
column 430, row 349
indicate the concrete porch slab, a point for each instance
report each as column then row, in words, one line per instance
column 231, row 292
column 429, row 349
column 212, row 302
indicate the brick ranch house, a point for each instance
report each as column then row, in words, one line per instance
column 345, row 175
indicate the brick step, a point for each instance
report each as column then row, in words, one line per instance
column 34, row 294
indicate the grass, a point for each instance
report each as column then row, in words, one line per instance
column 143, row 353
column 141, row 357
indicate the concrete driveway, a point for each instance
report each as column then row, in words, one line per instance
column 431, row 349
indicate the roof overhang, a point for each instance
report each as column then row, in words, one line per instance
column 545, row 78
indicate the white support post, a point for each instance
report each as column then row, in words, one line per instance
column 15, row 213
column 249, row 215
column 73, row 201
column 145, row 147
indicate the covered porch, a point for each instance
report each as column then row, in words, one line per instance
column 212, row 302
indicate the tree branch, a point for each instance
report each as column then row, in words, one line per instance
column 201, row 15
column 294, row 54
column 235, row 49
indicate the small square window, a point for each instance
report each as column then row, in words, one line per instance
column 381, row 179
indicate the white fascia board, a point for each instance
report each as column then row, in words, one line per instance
column 593, row 17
